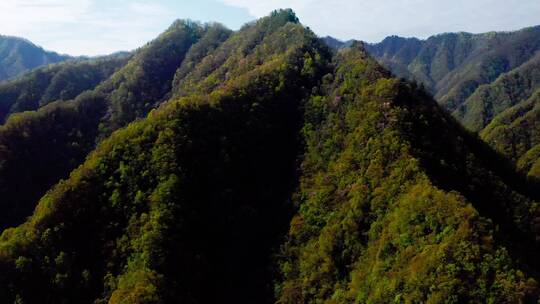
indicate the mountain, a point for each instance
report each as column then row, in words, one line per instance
column 516, row 133
column 333, row 42
column 52, row 124
column 505, row 112
column 397, row 203
column 121, row 90
column 18, row 55
column 260, row 166
column 56, row 82
column 487, row 81
column 396, row 53
column 454, row 65
column 228, row 156
column 506, row 91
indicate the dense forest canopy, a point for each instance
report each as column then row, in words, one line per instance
column 263, row 166
column 62, row 81
column 487, row 81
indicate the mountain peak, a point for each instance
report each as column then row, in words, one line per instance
column 18, row 55
column 260, row 166
column 287, row 15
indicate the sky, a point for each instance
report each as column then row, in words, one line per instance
column 98, row 27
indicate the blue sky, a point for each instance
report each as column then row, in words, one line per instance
column 93, row 27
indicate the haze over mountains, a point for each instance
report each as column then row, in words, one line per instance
column 267, row 165
column 18, row 55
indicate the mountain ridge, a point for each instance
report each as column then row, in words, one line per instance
column 480, row 78
column 260, row 166
column 19, row 55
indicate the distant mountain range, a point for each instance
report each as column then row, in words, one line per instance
column 19, row 55
column 263, row 166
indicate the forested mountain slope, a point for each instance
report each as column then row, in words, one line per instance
column 337, row 44
column 273, row 170
column 72, row 127
column 19, row 55
column 486, row 80
column 63, row 81
column 516, row 133
column 147, row 79
column 398, row 203
column 507, row 90
column 505, row 113
column 186, row 205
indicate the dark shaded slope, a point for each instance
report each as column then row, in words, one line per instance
column 37, row 149
column 184, row 206
column 396, row 202
column 130, row 93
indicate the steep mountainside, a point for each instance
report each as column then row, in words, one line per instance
column 508, row 90
column 186, row 205
column 516, row 133
column 19, row 55
column 273, row 170
column 74, row 126
column 506, row 114
column 398, row 204
column 477, row 78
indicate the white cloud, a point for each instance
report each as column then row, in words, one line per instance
column 263, row 7
column 20, row 15
column 372, row 20
column 88, row 27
